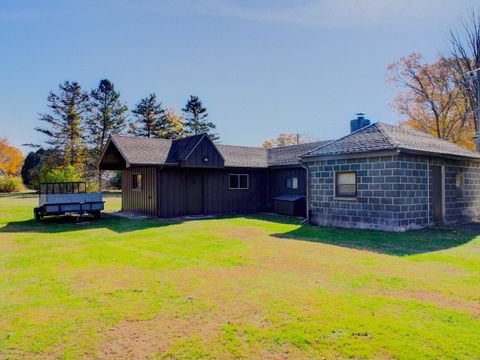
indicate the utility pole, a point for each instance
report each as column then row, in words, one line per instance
column 471, row 75
column 478, row 110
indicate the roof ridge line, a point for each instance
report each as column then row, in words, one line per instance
column 343, row 137
column 412, row 130
column 286, row 146
column 381, row 128
column 140, row 137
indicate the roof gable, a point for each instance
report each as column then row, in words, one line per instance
column 201, row 153
column 142, row 151
column 182, row 147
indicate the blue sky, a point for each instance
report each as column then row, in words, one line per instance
column 261, row 67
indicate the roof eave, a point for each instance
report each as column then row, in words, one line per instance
column 439, row 155
column 387, row 152
column 111, row 139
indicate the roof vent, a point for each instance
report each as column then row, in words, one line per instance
column 360, row 122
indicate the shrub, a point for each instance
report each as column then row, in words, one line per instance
column 92, row 186
column 59, row 174
column 116, row 181
column 10, row 184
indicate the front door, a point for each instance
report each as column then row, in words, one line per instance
column 194, row 192
column 437, row 194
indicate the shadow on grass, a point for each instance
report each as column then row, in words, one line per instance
column 58, row 224
column 398, row 244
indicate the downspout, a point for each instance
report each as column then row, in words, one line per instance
column 307, row 197
column 428, row 191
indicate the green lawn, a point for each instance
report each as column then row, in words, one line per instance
column 245, row 287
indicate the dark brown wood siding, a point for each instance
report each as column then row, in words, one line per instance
column 145, row 200
column 171, row 192
column 204, row 150
column 217, row 197
column 277, row 183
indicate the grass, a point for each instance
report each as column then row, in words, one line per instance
column 241, row 287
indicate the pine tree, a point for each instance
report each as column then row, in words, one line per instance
column 196, row 119
column 109, row 117
column 65, row 123
column 151, row 119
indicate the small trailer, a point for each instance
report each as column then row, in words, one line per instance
column 61, row 198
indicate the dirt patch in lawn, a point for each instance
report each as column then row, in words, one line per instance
column 7, row 245
column 133, row 339
column 470, row 306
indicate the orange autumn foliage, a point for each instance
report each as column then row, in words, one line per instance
column 430, row 99
column 11, row 158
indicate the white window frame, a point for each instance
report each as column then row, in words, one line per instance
column 238, row 176
column 339, row 196
column 294, row 184
column 138, row 188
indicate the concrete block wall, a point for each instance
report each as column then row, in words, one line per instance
column 393, row 192
column 461, row 204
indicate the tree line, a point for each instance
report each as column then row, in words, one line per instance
column 439, row 98
column 79, row 123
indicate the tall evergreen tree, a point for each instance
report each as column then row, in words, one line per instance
column 151, row 119
column 109, row 117
column 196, row 119
column 65, row 123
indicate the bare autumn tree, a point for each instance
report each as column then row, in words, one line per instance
column 465, row 54
column 430, row 99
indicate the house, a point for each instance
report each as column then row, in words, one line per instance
column 194, row 176
column 392, row 178
column 379, row 176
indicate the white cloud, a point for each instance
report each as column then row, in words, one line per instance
column 332, row 13
column 324, row 13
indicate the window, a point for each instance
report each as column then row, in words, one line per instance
column 346, row 184
column 291, row 182
column 238, row 181
column 459, row 184
column 137, row 182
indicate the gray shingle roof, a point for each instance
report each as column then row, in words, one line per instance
column 243, row 156
column 381, row 137
column 288, row 155
column 143, row 151
column 153, row 151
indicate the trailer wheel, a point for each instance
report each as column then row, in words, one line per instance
column 38, row 216
column 97, row 214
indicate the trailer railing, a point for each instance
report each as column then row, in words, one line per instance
column 47, row 188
